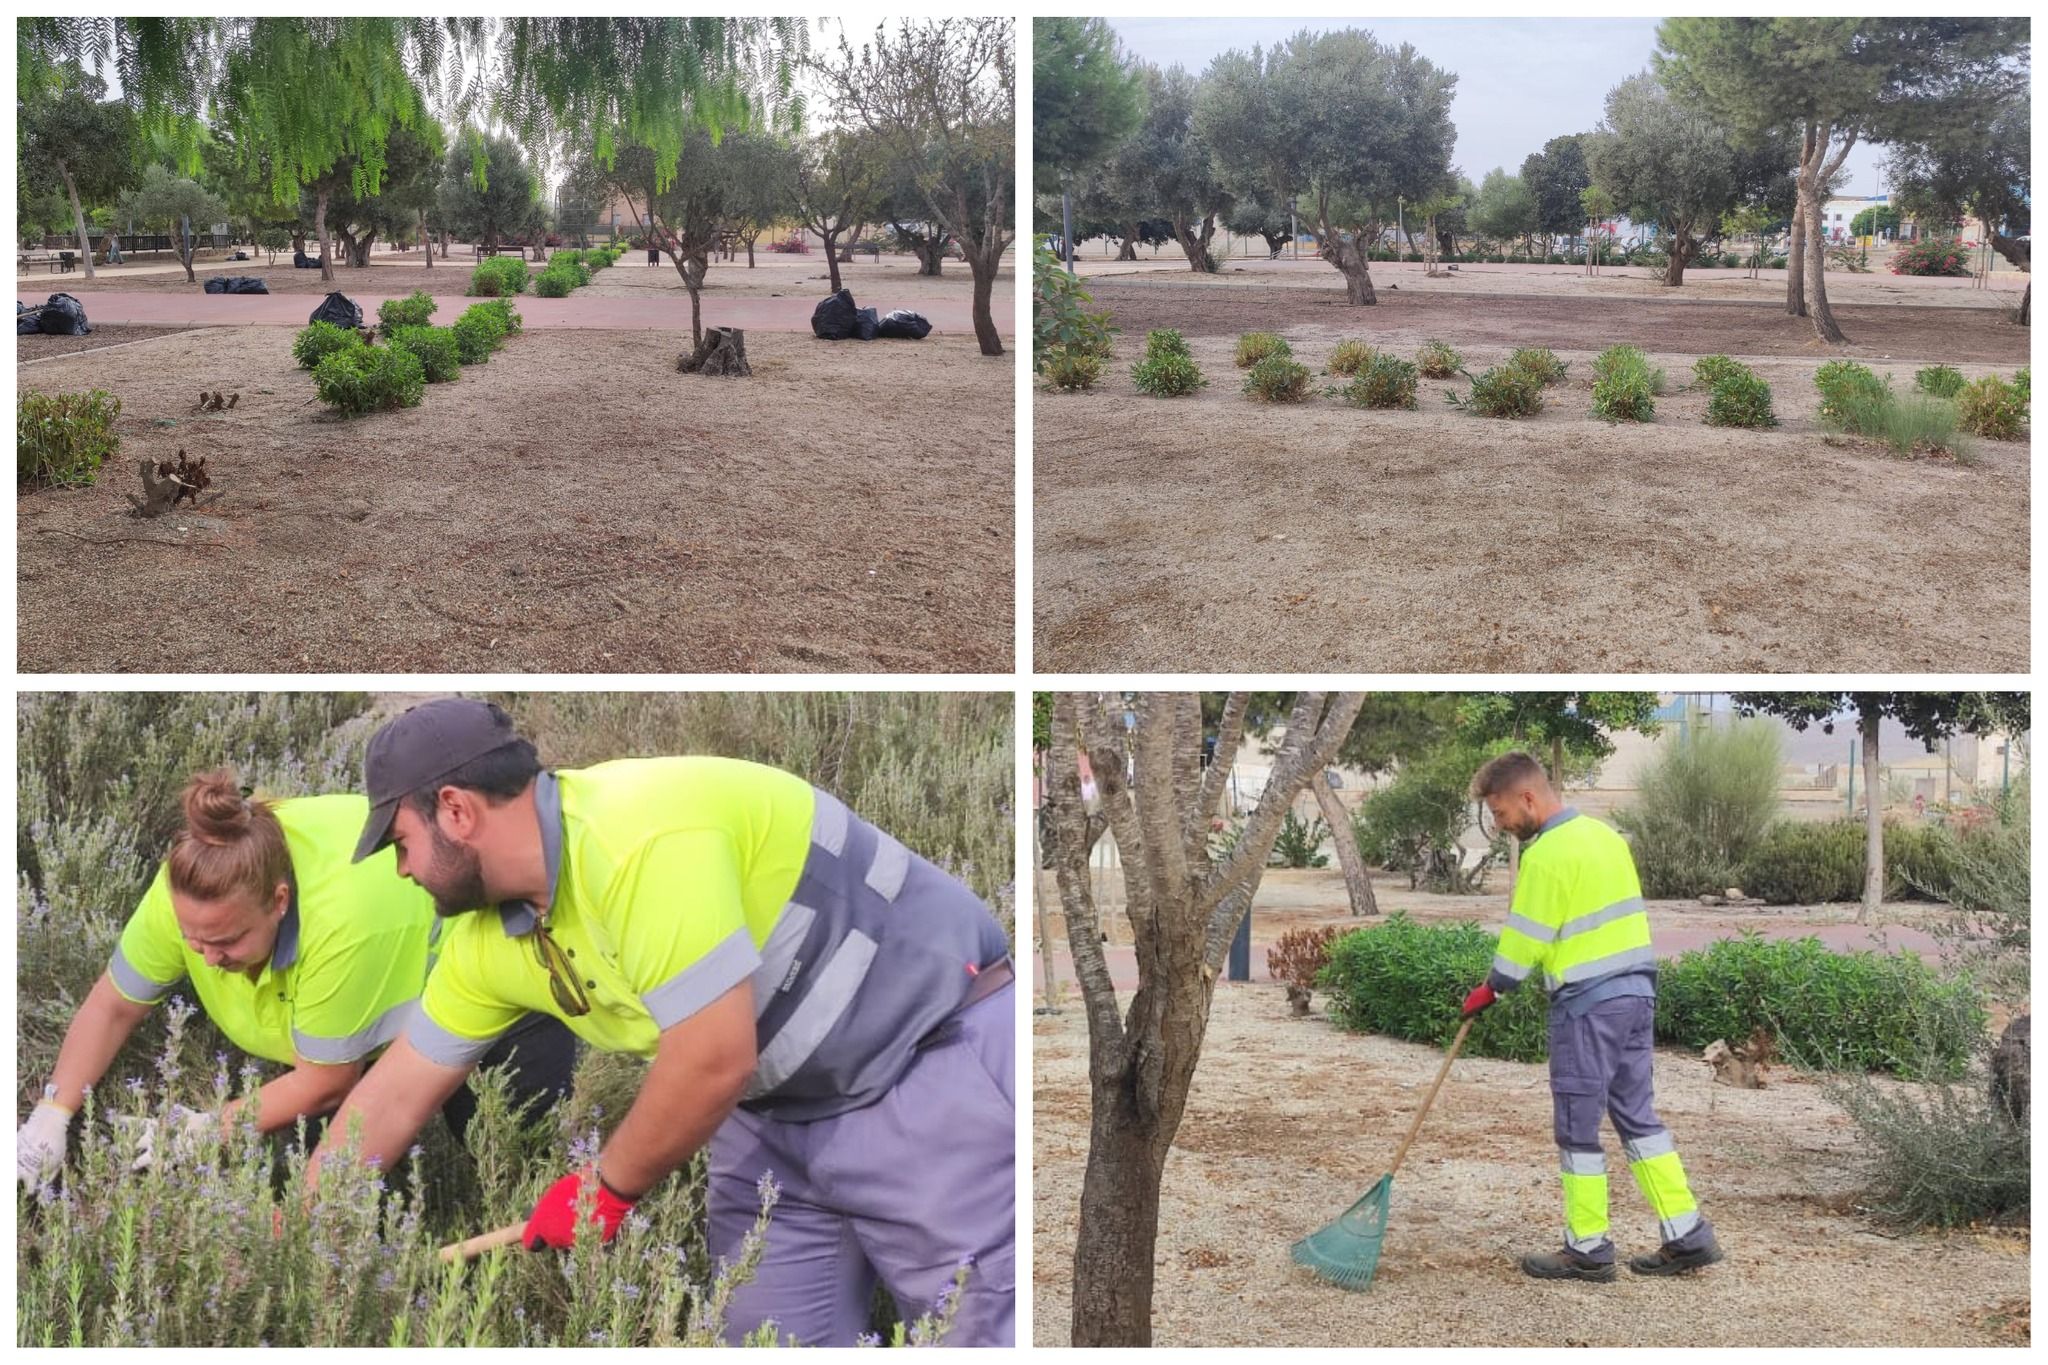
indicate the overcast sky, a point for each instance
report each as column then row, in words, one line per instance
column 1521, row 82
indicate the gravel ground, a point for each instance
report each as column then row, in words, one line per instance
column 39, row 346
column 1291, row 1119
column 573, row 506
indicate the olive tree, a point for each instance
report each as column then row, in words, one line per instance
column 71, row 137
column 836, row 183
column 176, row 203
column 1666, row 164
column 1974, row 162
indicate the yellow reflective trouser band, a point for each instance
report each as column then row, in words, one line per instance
column 1585, row 1201
column 1662, row 1181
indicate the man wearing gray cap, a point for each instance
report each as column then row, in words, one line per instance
column 819, row 1005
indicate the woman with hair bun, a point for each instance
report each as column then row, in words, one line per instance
column 298, row 955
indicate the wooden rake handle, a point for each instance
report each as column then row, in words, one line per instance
column 484, row 1241
column 1427, row 1100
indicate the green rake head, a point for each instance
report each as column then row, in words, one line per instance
column 1348, row 1251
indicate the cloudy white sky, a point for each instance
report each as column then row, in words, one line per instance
column 1520, row 81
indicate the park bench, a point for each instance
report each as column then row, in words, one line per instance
column 63, row 263
column 873, row 249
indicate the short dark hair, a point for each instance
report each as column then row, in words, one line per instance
column 1506, row 772
column 497, row 776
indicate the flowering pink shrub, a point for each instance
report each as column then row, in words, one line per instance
column 1932, row 256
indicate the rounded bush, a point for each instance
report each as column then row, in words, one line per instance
column 370, row 379
column 1505, row 391
column 1170, row 374
column 1253, row 347
column 1407, row 980
column 1624, row 385
column 2023, row 384
column 1992, row 408
column 499, row 275
column 478, row 332
column 1438, row 360
column 434, row 347
column 315, row 343
column 1349, row 357
column 1710, row 370
column 1740, row 400
column 504, row 309
column 1845, row 387
column 415, row 310
column 1943, row 381
column 62, row 439
column 1071, row 370
column 1931, row 256
column 1384, row 381
column 553, row 284
column 1540, row 361
column 1164, row 341
column 1276, row 379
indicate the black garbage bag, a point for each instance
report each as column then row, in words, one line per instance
column 301, row 261
column 63, row 316
column 835, row 318
column 865, row 323
column 340, row 310
column 235, row 284
column 27, row 321
column 904, row 325
column 239, row 256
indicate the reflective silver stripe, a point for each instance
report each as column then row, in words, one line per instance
column 778, row 954
column 1513, row 971
column 731, row 961
column 1582, row 1163
column 443, row 1048
column 828, row 824
column 1522, row 924
column 133, row 983
column 1643, row 1148
column 1585, row 1244
column 1674, row 1228
column 362, row 1042
column 891, row 866
column 814, row 1016
column 1605, row 915
column 1607, row 966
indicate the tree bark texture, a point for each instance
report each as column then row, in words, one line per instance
column 1194, row 244
column 1129, row 250
column 1350, row 258
column 1357, row 876
column 1683, row 248
column 78, row 221
column 831, row 255
column 320, row 233
column 723, row 352
column 426, row 239
column 1873, row 826
column 1795, row 261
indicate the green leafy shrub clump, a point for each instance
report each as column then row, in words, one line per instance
column 1060, row 317
column 1253, row 347
column 1806, row 862
column 1168, row 374
column 480, row 331
column 1943, row 381
column 1849, row 391
column 415, row 310
column 1741, row 400
column 435, row 348
column 370, row 379
column 1855, row 1011
column 2023, row 384
column 1993, row 409
column 1710, row 370
column 1438, row 360
column 1703, row 805
column 1349, row 357
column 1276, row 379
column 1540, row 361
column 499, row 275
column 553, row 284
column 62, row 439
column 504, row 309
column 1070, row 370
column 315, row 343
column 1504, row 391
column 1931, row 256
column 1384, row 381
column 1944, row 1156
column 1623, row 385
column 1409, row 980
column 1164, row 341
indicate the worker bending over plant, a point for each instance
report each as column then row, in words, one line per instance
column 1578, row 919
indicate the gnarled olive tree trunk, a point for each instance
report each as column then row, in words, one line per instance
column 1350, row 258
column 1194, row 241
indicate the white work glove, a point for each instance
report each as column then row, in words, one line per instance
column 176, row 1139
column 39, row 1146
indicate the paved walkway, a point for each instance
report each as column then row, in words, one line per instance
column 152, row 309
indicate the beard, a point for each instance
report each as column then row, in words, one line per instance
column 455, row 879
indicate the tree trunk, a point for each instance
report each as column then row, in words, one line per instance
column 982, row 262
column 832, row 256
column 1795, row 263
column 1351, row 258
column 694, row 268
column 1129, row 250
column 320, row 232
column 359, row 252
column 722, row 353
column 1873, row 825
column 2019, row 253
column 1120, row 1205
column 750, row 252
column 1824, row 325
column 1196, row 246
column 78, row 220
column 426, row 239
column 930, row 251
column 1682, row 248
column 186, row 247
column 1357, row 877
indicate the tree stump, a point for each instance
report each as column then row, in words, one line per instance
column 2012, row 1067
column 723, row 351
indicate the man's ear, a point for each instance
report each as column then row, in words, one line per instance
column 458, row 812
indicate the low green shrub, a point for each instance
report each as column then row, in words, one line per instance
column 498, row 275
column 415, row 310
column 1943, row 381
column 1384, row 381
column 1297, row 843
column 1409, row 980
column 1253, row 347
column 1059, row 314
column 1540, row 361
column 1071, row 370
column 370, row 379
column 1169, row 374
column 1806, row 862
column 1849, row 391
column 1164, row 341
column 1912, row 423
column 504, row 309
column 1623, row 385
column 1854, row 1011
column 1276, row 379
column 1437, row 360
column 1710, row 370
column 2023, row 384
column 435, row 348
column 316, row 342
column 553, row 284
column 1945, row 1156
column 480, row 331
column 1741, row 400
column 62, row 439
column 1349, row 357
column 1930, row 256
column 572, row 265
column 1993, row 409
column 1504, row 391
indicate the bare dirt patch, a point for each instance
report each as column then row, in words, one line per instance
column 39, row 346
column 1214, row 533
column 573, row 506
column 1290, row 1119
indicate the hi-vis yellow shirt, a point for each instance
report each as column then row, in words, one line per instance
column 352, row 950
column 1578, row 916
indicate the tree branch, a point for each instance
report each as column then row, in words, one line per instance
column 1073, row 837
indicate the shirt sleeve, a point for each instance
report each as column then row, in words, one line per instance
column 458, row 1018
column 1526, row 939
column 682, row 924
column 149, row 959
column 355, row 997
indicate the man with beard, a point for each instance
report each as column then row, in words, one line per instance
column 1578, row 918
column 820, row 1007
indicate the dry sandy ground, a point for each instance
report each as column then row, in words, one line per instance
column 573, row 506
column 1214, row 533
column 39, row 346
column 1291, row 1119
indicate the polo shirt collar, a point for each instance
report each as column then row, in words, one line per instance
column 519, row 918
column 1568, row 813
column 285, row 951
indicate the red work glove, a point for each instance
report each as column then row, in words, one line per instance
column 1481, row 997
column 553, row 1222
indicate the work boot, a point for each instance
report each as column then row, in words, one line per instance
column 1566, row 1264
column 1669, row 1260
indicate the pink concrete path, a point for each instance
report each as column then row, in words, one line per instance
column 952, row 317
